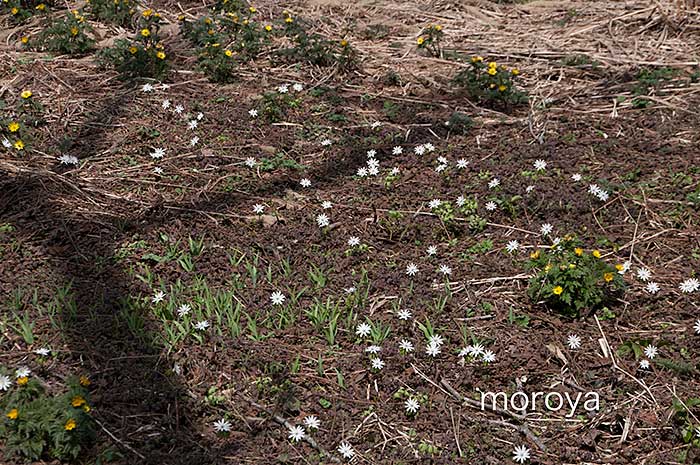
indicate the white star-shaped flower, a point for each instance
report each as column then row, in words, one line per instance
column 277, row 298
column 651, row 351
column 652, row 287
column 512, row 246
column 158, row 153
column 346, row 450
column 363, row 330
column 406, row 345
column 411, row 406
column 546, row 229
column 573, row 341
column 158, row 297
column 377, row 363
column 312, row 422
column 322, row 220
column 521, row 454
column 222, row 426
column 404, row 314
column 296, row 433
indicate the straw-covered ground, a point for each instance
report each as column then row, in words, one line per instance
column 333, row 261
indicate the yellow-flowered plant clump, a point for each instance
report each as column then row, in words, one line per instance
column 20, row 10
column 489, row 82
column 571, row 279
column 15, row 125
column 37, row 425
column 117, row 12
column 430, row 38
column 144, row 55
column 229, row 35
column 70, row 35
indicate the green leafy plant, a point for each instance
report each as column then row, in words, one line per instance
column 68, row 35
column 313, row 48
column 570, row 279
column 117, row 12
column 142, row 56
column 218, row 63
column 21, row 10
column 37, row 425
column 490, row 83
column 459, row 123
column 430, row 38
column 15, row 122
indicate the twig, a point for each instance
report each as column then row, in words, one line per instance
column 119, row 441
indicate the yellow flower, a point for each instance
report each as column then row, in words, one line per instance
column 13, row 414
column 86, row 408
column 608, row 277
column 147, row 13
column 268, row 28
column 145, row 32
column 41, row 7
column 596, row 253
column 133, row 50
column 13, row 126
column 492, row 71
column 572, row 265
column 515, row 71
column 619, row 267
column 502, row 87
column 77, row 401
column 84, row 381
column 535, row 255
column 245, row 22
column 547, row 267
column 14, row 11
column 493, row 64
column 477, row 59
column 557, row 290
column 288, row 20
column 228, row 53
column 420, row 41
column 161, row 55
column 343, row 43
column 23, row 379
column 74, row 31
column 252, row 9
column 70, row 425
column 578, row 251
column 438, row 28
column 25, row 39
column 207, row 21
